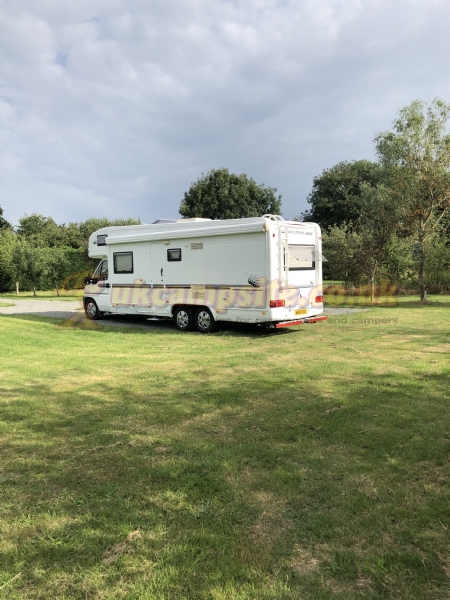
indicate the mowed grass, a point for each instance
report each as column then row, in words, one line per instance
column 308, row 464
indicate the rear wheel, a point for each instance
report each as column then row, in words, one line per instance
column 204, row 321
column 183, row 318
column 91, row 310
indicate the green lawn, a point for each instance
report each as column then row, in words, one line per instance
column 308, row 464
column 5, row 304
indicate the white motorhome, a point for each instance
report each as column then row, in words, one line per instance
column 198, row 272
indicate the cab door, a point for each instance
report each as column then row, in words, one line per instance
column 103, row 287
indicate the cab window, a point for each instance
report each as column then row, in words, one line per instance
column 104, row 271
column 101, row 272
column 97, row 271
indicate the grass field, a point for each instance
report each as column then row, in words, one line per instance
column 308, row 464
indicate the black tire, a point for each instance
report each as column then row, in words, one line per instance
column 204, row 321
column 91, row 310
column 183, row 318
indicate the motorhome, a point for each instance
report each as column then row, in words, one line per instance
column 198, row 272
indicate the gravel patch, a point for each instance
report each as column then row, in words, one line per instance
column 58, row 309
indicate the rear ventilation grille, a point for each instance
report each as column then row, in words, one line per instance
column 196, row 245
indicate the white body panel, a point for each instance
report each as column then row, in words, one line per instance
column 234, row 267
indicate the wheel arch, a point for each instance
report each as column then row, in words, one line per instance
column 193, row 308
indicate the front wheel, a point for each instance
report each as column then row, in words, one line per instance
column 183, row 319
column 204, row 321
column 91, row 310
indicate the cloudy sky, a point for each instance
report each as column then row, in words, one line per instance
column 113, row 107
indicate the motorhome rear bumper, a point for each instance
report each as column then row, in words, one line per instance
column 300, row 322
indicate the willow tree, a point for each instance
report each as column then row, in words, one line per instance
column 417, row 154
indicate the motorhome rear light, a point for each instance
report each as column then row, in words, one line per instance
column 319, row 298
column 277, row 303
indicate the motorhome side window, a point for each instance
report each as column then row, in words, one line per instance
column 123, row 262
column 101, row 240
column 300, row 257
column 173, row 254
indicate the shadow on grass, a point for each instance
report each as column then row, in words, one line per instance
column 123, row 324
column 273, row 491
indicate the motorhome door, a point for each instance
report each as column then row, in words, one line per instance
column 157, row 264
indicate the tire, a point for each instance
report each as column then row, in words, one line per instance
column 204, row 321
column 183, row 318
column 91, row 310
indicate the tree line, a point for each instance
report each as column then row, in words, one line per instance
column 40, row 254
column 390, row 219
column 383, row 220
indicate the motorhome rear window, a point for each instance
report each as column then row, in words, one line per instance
column 101, row 240
column 123, row 262
column 173, row 254
column 300, row 257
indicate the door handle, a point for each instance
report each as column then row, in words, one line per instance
column 162, row 272
column 107, row 285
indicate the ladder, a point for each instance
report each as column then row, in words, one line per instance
column 283, row 248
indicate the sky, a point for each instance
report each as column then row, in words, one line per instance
column 112, row 108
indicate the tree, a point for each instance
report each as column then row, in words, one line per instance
column 13, row 256
column 417, row 155
column 3, row 222
column 70, row 236
column 376, row 225
column 359, row 252
column 437, row 266
column 34, row 265
column 222, row 195
column 56, row 265
column 5, row 276
column 341, row 247
column 399, row 267
column 335, row 198
column 39, row 230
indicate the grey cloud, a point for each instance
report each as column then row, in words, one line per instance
column 113, row 109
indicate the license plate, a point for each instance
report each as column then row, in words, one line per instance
column 303, row 311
